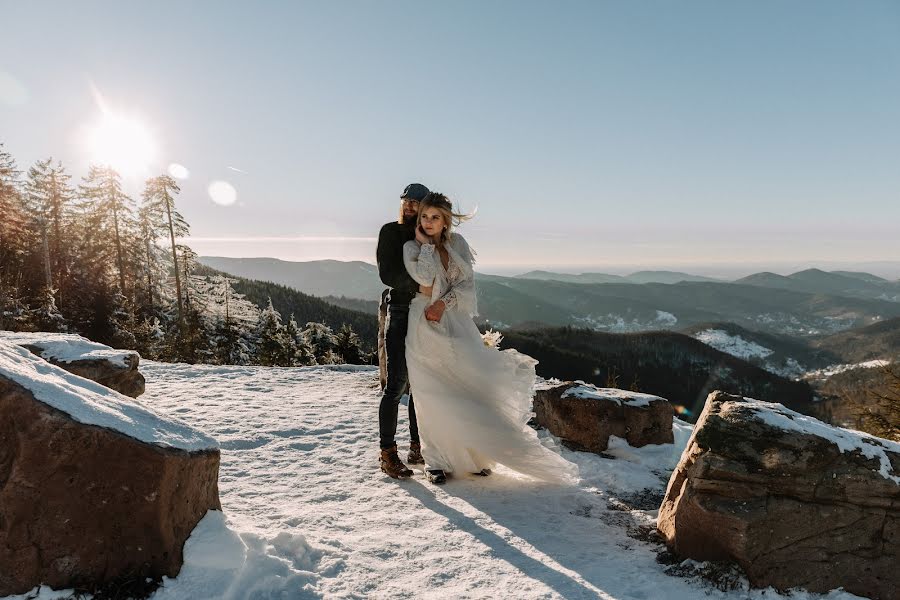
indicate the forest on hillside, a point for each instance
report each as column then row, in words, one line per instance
column 87, row 258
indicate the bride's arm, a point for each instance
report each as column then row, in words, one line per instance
column 459, row 292
column 462, row 294
column 419, row 261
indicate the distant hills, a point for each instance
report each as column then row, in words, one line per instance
column 838, row 283
column 618, row 307
column 807, row 303
column 354, row 279
column 638, row 277
column 304, row 307
column 878, row 341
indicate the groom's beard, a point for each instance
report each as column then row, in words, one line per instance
column 411, row 221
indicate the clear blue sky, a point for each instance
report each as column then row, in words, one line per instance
column 588, row 134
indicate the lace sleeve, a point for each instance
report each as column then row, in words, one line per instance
column 461, row 295
column 419, row 262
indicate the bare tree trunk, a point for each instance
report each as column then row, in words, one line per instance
column 46, row 252
column 174, row 251
column 119, row 252
column 149, row 275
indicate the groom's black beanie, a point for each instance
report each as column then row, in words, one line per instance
column 414, row 191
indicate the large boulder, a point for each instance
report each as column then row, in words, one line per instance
column 585, row 416
column 95, row 488
column 116, row 369
column 795, row 502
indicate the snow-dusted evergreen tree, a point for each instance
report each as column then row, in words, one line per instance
column 150, row 338
column 235, row 321
column 156, row 263
column 50, row 200
column 102, row 189
column 13, row 244
column 47, row 317
column 159, row 203
column 348, row 346
column 303, row 355
column 273, row 346
column 321, row 341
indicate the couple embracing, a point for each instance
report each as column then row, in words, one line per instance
column 472, row 402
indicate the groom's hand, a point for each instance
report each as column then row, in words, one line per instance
column 425, row 289
column 435, row 311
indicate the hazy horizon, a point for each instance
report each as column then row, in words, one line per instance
column 887, row 269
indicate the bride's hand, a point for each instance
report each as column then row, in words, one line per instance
column 421, row 237
column 435, row 311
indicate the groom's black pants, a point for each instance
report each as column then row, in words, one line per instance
column 397, row 378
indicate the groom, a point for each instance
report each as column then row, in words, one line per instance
column 403, row 289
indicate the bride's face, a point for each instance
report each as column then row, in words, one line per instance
column 432, row 221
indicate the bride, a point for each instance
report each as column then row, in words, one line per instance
column 472, row 401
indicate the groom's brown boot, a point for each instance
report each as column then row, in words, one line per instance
column 392, row 465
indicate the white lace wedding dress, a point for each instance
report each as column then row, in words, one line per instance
column 472, row 401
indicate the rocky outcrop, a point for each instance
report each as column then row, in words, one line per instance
column 795, row 502
column 116, row 369
column 94, row 487
column 585, row 416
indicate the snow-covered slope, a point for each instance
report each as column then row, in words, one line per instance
column 308, row 514
column 749, row 350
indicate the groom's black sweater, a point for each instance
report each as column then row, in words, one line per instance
column 390, row 262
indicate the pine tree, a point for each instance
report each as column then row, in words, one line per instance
column 46, row 317
column 102, row 187
column 302, row 355
column 13, row 246
column 154, row 266
column 159, row 198
column 348, row 346
column 50, row 200
column 272, row 345
column 150, row 338
column 321, row 341
column 235, row 320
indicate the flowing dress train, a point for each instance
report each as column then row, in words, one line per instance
column 472, row 401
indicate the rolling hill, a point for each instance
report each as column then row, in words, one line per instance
column 317, row 278
column 836, row 283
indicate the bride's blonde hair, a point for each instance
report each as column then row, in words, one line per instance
column 445, row 207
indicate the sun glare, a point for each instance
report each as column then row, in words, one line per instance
column 122, row 142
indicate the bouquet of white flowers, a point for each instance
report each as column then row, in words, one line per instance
column 492, row 338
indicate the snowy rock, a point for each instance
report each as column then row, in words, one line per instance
column 795, row 502
column 94, row 487
column 116, row 369
column 585, row 416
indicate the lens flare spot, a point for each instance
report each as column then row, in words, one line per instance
column 178, row 171
column 222, row 193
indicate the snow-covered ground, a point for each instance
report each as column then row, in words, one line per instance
column 307, row 513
